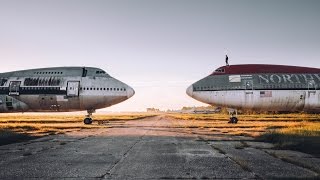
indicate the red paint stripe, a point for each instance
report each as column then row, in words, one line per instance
column 264, row 68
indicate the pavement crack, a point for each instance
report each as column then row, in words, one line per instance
column 122, row 158
column 109, row 173
column 239, row 162
column 295, row 163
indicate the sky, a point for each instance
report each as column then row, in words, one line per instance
column 159, row 47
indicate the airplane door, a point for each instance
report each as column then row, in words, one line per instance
column 73, row 88
column 311, row 85
column 312, row 97
column 249, row 85
column 14, row 88
column 248, row 94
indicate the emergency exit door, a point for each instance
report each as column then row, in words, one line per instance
column 73, row 88
column 14, row 88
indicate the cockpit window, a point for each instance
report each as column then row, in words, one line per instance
column 100, row 72
column 220, row 70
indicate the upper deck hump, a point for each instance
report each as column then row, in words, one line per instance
column 57, row 71
column 263, row 68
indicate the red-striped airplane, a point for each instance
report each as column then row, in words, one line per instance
column 260, row 87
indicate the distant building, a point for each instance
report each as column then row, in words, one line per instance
column 153, row 110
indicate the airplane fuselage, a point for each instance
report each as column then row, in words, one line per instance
column 261, row 87
column 60, row 89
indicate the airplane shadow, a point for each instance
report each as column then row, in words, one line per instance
column 9, row 137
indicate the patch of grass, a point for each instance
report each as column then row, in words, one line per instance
column 292, row 117
column 22, row 127
column 296, row 131
column 304, row 138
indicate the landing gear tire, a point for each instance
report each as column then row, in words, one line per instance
column 233, row 116
column 233, row 120
column 87, row 121
column 88, row 118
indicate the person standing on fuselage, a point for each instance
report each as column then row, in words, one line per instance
column 227, row 63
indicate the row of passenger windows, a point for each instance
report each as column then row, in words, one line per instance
column 102, row 89
column 48, row 73
column 34, row 88
column 270, row 86
column 40, row 88
column 58, row 88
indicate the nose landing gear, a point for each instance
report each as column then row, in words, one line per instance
column 88, row 118
column 233, row 120
column 233, row 116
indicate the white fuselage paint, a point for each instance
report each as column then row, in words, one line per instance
column 279, row 100
column 261, row 88
column 73, row 92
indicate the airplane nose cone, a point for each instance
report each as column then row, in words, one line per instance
column 130, row 92
column 190, row 91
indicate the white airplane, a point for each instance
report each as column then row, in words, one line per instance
column 260, row 87
column 62, row 89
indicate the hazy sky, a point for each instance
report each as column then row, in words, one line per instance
column 159, row 47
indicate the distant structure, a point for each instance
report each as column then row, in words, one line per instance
column 153, row 110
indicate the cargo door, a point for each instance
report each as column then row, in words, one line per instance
column 249, row 85
column 312, row 86
column 312, row 97
column 73, row 88
column 312, row 92
column 14, row 88
column 248, row 93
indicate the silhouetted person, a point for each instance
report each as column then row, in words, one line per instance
column 227, row 63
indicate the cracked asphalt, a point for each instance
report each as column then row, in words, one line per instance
column 152, row 148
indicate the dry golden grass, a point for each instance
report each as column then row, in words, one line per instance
column 254, row 125
column 287, row 131
column 43, row 124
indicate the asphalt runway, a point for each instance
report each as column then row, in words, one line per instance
column 151, row 148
